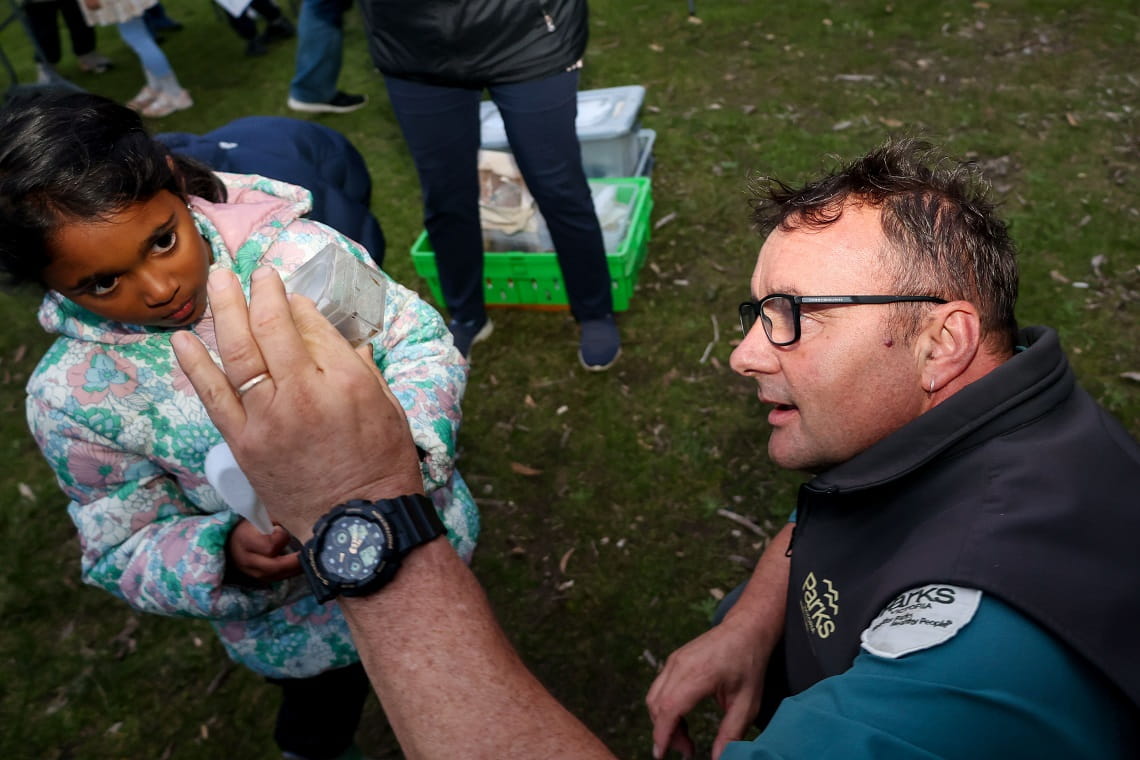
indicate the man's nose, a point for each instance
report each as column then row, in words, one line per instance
column 755, row 354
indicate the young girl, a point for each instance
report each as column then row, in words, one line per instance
column 162, row 95
column 123, row 235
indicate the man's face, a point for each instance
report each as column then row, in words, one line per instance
column 845, row 384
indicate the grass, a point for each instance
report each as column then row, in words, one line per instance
column 633, row 464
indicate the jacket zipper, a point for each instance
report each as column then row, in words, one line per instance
column 550, row 27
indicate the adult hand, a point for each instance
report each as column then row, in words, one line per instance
column 258, row 556
column 726, row 662
column 322, row 428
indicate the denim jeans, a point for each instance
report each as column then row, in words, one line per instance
column 441, row 126
column 320, row 42
column 138, row 39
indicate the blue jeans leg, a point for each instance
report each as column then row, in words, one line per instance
column 320, row 50
column 539, row 119
column 138, row 39
column 441, row 127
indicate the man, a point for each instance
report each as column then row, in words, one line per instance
column 970, row 525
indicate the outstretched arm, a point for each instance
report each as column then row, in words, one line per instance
column 327, row 429
column 727, row 662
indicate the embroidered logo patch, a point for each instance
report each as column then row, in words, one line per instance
column 819, row 605
column 919, row 619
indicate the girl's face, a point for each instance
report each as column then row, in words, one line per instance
column 145, row 265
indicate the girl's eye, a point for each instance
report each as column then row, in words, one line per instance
column 103, row 286
column 164, row 243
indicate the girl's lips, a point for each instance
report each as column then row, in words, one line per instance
column 184, row 312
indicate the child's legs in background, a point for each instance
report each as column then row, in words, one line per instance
column 159, row 73
column 319, row 715
column 43, row 20
column 82, row 35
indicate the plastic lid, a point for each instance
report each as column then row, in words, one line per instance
column 602, row 114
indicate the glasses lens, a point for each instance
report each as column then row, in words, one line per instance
column 747, row 317
column 777, row 313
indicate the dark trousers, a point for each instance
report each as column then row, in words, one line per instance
column 43, row 19
column 319, row 715
column 441, row 126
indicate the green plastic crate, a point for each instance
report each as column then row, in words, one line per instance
column 534, row 280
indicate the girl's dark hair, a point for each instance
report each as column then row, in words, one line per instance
column 945, row 236
column 76, row 157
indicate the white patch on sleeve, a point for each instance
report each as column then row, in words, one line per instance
column 921, row 618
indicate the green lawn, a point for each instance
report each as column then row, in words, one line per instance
column 632, row 465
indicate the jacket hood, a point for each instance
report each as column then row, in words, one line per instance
column 239, row 232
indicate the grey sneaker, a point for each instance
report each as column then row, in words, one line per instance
column 342, row 102
column 467, row 334
column 599, row 345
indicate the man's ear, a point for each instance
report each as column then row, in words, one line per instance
column 948, row 346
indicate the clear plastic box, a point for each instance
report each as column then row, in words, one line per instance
column 348, row 292
column 606, row 126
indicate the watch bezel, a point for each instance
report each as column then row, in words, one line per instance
column 327, row 583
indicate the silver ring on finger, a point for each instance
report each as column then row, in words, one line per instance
column 251, row 383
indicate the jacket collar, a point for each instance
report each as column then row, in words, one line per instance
column 1028, row 385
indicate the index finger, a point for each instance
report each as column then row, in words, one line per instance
column 272, row 326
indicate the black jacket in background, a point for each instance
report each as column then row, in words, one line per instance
column 475, row 43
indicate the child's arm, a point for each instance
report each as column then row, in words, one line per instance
column 142, row 539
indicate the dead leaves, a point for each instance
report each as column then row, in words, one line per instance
column 519, row 468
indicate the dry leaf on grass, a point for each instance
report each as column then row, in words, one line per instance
column 565, row 559
column 521, row 469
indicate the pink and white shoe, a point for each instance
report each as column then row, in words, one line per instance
column 146, row 96
column 166, row 104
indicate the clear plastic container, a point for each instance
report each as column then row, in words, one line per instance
column 348, row 292
column 606, row 124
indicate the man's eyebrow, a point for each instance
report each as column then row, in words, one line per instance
column 789, row 290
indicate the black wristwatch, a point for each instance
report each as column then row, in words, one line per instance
column 356, row 548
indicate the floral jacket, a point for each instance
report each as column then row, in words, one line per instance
column 126, row 435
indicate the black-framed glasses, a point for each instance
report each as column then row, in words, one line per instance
column 780, row 312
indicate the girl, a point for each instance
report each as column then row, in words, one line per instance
column 161, row 95
column 123, row 235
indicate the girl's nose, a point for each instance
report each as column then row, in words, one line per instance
column 158, row 287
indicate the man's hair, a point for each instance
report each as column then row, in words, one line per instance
column 68, row 157
column 944, row 236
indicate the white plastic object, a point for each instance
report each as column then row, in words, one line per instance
column 229, row 481
column 349, row 293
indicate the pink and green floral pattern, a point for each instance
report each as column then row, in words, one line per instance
column 126, row 435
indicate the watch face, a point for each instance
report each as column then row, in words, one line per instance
column 353, row 549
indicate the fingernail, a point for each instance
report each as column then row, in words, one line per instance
column 217, row 279
column 262, row 272
column 656, row 752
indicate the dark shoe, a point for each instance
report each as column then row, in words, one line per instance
column 467, row 334
column 342, row 102
column 255, row 48
column 279, row 29
column 600, row 345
